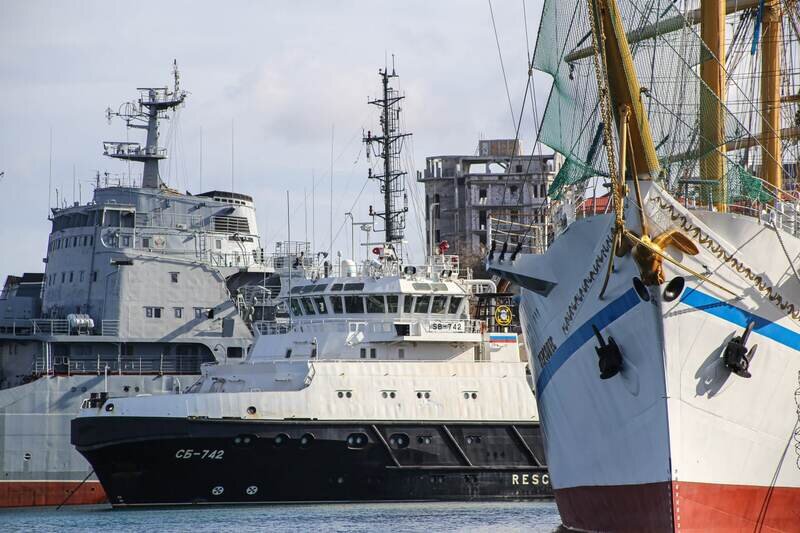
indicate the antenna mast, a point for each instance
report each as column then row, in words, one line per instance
column 390, row 144
column 153, row 104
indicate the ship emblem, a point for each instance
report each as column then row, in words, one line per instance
column 216, row 491
column 251, row 490
column 503, row 315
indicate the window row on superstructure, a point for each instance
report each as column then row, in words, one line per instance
column 72, row 276
column 158, row 312
column 73, row 241
column 434, row 304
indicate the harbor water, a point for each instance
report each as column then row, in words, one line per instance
column 424, row 517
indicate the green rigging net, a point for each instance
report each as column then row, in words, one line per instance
column 675, row 98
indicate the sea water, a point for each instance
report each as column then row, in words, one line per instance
column 391, row 517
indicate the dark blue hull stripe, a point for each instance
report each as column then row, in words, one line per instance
column 741, row 318
column 693, row 298
column 601, row 319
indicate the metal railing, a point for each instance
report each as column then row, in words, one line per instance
column 121, row 366
column 45, row 326
column 417, row 326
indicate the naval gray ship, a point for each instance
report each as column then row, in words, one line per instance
column 141, row 286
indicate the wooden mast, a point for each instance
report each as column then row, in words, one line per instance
column 624, row 90
column 771, row 169
column 712, row 72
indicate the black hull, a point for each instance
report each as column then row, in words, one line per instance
column 172, row 461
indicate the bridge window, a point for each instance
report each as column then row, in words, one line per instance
column 336, row 303
column 152, row 312
column 439, row 305
column 308, row 306
column 455, row 303
column 375, row 304
column 354, row 304
column 295, row 305
column 354, row 286
column 391, row 303
column 408, row 303
column 321, row 307
column 423, row 302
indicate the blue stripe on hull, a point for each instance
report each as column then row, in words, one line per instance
column 741, row 318
column 603, row 318
column 692, row 297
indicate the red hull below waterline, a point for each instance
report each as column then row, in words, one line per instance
column 35, row 493
column 705, row 507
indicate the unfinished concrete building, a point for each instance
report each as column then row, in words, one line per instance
column 464, row 193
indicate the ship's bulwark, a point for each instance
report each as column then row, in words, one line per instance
column 675, row 441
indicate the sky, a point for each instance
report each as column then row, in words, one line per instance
column 283, row 83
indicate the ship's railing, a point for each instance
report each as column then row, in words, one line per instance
column 762, row 200
column 129, row 149
column 76, row 365
column 159, row 219
column 529, row 238
column 272, row 328
column 44, row 326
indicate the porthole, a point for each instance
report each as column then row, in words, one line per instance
column 306, row 440
column 126, row 388
column 109, row 407
column 384, row 394
column 392, row 394
column 348, row 394
column 357, row 441
column 424, row 439
column 251, row 410
column 27, row 456
column 427, row 395
column 340, row 394
column 74, row 389
column 244, row 440
column 398, row 441
column 466, row 396
column 280, row 440
column 83, row 389
column 474, row 395
column 136, row 389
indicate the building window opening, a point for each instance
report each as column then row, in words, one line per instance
column 363, row 353
column 373, row 353
column 178, row 312
column 173, row 276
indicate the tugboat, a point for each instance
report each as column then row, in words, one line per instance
column 141, row 285
column 379, row 386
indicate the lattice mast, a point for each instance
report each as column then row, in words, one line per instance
column 390, row 144
column 152, row 106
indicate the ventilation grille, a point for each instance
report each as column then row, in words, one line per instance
column 231, row 225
